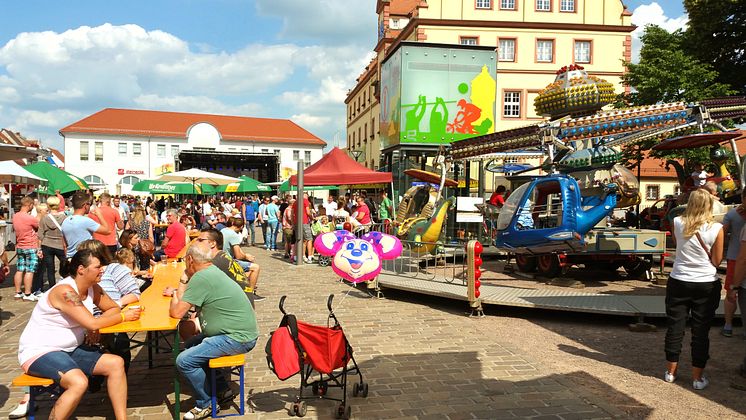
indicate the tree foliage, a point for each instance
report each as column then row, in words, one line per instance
column 667, row 73
column 717, row 35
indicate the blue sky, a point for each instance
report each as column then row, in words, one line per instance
column 63, row 60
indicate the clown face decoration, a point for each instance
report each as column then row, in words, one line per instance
column 357, row 259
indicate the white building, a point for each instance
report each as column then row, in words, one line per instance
column 116, row 148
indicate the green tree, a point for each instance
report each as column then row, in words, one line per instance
column 667, row 73
column 717, row 35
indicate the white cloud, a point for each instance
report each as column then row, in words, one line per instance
column 49, row 79
column 311, row 121
column 337, row 22
column 652, row 14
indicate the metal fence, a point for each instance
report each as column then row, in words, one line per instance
column 429, row 261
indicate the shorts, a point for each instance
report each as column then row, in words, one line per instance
column 244, row 264
column 51, row 364
column 28, row 261
column 288, row 234
column 307, row 234
column 730, row 271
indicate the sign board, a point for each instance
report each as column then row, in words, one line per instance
column 433, row 94
column 466, row 210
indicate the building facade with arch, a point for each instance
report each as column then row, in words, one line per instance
column 114, row 149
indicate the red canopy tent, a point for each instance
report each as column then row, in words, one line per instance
column 337, row 168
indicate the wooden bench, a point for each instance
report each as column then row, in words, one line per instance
column 235, row 363
column 37, row 386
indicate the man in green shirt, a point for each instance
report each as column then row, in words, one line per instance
column 385, row 209
column 227, row 321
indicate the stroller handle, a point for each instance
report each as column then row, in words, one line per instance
column 282, row 304
column 329, row 302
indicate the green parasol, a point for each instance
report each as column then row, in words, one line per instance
column 285, row 186
column 163, row 187
column 57, row 178
column 247, row 185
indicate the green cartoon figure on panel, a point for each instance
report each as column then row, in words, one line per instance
column 439, row 118
column 414, row 116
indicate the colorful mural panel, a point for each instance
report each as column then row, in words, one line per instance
column 437, row 95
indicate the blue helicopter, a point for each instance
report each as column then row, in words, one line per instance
column 547, row 215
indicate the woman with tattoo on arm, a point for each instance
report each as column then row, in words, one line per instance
column 52, row 344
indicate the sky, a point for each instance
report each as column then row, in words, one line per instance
column 61, row 61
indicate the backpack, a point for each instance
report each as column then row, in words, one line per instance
column 283, row 357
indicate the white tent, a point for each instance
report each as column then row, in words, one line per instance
column 13, row 173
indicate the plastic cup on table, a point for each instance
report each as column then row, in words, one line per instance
column 164, row 259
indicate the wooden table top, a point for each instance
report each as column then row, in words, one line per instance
column 155, row 315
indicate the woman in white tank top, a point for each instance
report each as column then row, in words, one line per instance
column 51, row 345
column 694, row 286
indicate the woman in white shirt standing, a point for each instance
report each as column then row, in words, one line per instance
column 694, row 286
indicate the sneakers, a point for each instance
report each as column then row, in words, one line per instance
column 700, row 384
column 669, row 377
column 726, row 332
column 18, row 295
column 198, row 413
column 306, row 260
column 38, row 293
column 258, row 298
column 30, row 298
column 20, row 412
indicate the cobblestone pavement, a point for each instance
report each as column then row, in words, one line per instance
column 421, row 358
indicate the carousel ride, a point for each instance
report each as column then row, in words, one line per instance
column 583, row 145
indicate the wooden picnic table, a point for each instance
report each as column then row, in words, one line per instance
column 155, row 318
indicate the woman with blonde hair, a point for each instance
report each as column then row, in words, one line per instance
column 142, row 223
column 694, row 286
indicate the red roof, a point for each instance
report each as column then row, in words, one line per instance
column 338, row 168
column 135, row 122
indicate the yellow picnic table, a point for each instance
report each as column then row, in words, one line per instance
column 155, row 318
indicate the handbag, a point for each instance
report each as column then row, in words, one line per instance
column 704, row 247
column 147, row 247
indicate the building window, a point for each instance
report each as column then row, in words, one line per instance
column 512, row 104
column 174, row 150
column 265, row 150
column 468, row 40
column 83, row 150
column 93, row 180
column 277, row 152
column 122, row 148
column 373, row 128
column 307, row 156
column 544, row 51
column 507, row 4
column 99, row 150
column 161, row 150
column 567, row 5
column 582, row 51
column 543, row 5
column 506, row 50
column 652, row 192
column 484, row 4
column 137, row 149
column 129, row 180
column 296, row 154
column 677, row 190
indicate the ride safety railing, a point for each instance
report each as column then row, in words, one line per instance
column 441, row 264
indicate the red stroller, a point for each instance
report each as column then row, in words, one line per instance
column 296, row 346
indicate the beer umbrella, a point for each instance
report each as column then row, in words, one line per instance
column 247, row 185
column 164, row 187
column 197, row 176
column 57, row 178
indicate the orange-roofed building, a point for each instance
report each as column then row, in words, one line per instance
column 117, row 148
column 656, row 181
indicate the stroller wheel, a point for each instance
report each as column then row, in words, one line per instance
column 300, row 408
column 324, row 261
column 323, row 387
column 315, row 388
column 355, row 389
column 364, row 389
column 344, row 411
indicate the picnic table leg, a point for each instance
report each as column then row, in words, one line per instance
column 149, row 339
column 177, row 385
